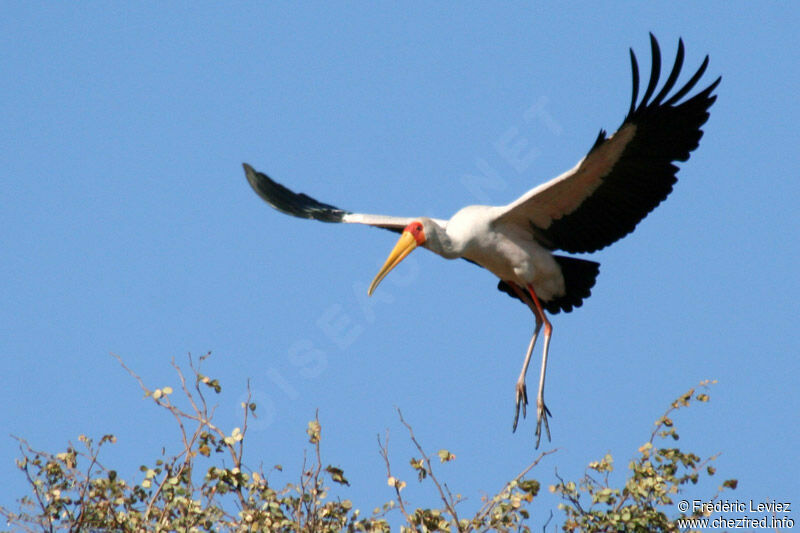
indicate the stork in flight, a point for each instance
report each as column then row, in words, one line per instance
column 600, row 200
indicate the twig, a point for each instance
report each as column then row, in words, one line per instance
column 385, row 454
column 201, row 416
column 93, row 461
column 447, row 503
column 575, row 501
column 490, row 504
column 303, row 488
column 35, row 487
column 544, row 527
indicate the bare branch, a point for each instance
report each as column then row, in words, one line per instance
column 448, row 503
column 490, row 504
column 384, row 450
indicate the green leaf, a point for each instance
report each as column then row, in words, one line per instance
column 337, row 475
column 313, row 432
column 445, row 456
column 730, row 484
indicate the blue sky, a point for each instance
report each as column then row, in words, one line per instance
column 128, row 227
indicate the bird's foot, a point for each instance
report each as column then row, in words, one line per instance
column 522, row 399
column 542, row 412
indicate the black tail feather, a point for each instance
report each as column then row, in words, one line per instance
column 579, row 278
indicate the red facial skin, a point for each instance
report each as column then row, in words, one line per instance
column 415, row 229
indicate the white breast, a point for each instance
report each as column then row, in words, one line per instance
column 505, row 250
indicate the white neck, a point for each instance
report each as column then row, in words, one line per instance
column 439, row 242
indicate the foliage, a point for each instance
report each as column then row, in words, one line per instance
column 657, row 475
column 208, row 487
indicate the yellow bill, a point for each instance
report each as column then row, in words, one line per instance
column 404, row 246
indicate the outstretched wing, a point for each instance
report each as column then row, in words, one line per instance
column 303, row 206
column 625, row 176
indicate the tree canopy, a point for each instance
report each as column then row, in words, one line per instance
column 208, row 486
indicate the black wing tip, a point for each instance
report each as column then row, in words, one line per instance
column 645, row 103
column 262, row 184
column 713, row 86
column 601, row 137
column 666, row 130
column 256, row 179
column 289, row 202
column 635, row 88
column 655, row 69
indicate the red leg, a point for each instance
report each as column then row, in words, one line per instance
column 542, row 412
column 521, row 391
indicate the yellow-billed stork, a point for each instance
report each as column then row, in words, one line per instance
column 600, row 200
